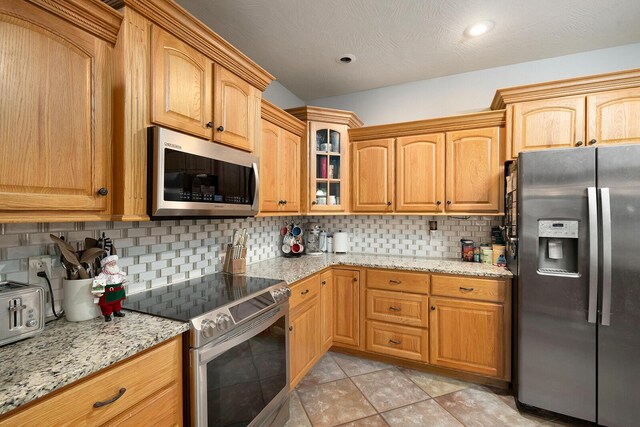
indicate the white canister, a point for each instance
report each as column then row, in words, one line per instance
column 77, row 300
column 340, row 242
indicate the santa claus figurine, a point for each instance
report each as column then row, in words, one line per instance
column 108, row 285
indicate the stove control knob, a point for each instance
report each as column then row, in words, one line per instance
column 208, row 328
column 223, row 321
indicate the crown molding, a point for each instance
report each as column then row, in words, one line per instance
column 176, row 20
column 330, row 115
column 420, row 127
column 281, row 118
column 566, row 87
column 92, row 16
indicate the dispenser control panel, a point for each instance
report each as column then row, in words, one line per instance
column 558, row 229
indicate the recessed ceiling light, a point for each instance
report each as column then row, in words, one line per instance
column 346, row 59
column 479, row 28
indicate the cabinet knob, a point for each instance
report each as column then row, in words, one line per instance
column 388, row 203
column 314, row 203
column 448, row 202
column 220, row 128
column 579, row 143
column 103, row 191
column 324, row 282
column 593, row 141
column 355, row 279
column 438, row 203
column 433, row 308
column 290, row 328
column 210, row 125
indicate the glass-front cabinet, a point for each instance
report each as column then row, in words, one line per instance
column 328, row 161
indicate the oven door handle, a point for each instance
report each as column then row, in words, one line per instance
column 205, row 354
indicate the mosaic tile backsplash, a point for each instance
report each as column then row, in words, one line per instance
column 158, row 253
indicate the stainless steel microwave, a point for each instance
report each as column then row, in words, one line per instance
column 193, row 177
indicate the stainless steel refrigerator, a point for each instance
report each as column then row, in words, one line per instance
column 577, row 267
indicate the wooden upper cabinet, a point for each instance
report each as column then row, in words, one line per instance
column 182, row 85
column 420, row 177
column 372, row 169
column 236, row 111
column 613, row 117
column 468, row 336
column 473, row 170
column 55, row 116
column 269, row 172
column 548, row 123
column 289, row 170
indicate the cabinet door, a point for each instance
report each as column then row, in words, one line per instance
column 236, row 110
column 420, row 173
column 467, row 335
column 326, row 309
column 304, row 343
column 372, row 175
column 269, row 171
column 614, row 117
column 548, row 123
column 55, row 113
column 474, row 170
column 182, row 85
column 289, row 171
column 346, row 306
column 328, row 167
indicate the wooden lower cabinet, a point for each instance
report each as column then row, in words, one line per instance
column 399, row 341
column 468, row 336
column 346, row 307
column 304, row 339
column 326, row 310
column 397, row 307
column 152, row 384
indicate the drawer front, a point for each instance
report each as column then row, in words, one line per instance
column 142, row 377
column 398, row 281
column 304, row 290
column 161, row 409
column 399, row 341
column 397, row 307
column 491, row 290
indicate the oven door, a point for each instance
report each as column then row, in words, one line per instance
column 242, row 378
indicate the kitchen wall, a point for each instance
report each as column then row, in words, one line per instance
column 409, row 235
column 281, row 96
column 473, row 91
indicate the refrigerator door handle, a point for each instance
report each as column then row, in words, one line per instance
column 606, row 256
column 592, row 197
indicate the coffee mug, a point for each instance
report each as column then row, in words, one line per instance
column 296, row 231
column 286, row 249
column 297, row 248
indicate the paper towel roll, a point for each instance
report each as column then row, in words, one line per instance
column 340, row 242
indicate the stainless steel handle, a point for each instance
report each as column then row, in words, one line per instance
column 394, row 308
column 606, row 257
column 113, row 399
column 395, row 342
column 592, row 196
column 466, row 289
column 395, row 282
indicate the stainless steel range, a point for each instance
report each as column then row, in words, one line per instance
column 238, row 346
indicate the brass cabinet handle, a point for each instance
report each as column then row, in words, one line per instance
column 306, row 291
column 465, row 289
column 593, row 141
column 579, row 143
column 103, row 191
column 395, row 282
column 396, row 342
column 113, row 399
column 395, row 308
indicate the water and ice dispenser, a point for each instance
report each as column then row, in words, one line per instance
column 558, row 247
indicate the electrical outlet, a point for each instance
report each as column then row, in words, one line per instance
column 38, row 264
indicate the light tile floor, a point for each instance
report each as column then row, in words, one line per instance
column 344, row 390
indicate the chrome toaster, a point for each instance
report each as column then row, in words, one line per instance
column 21, row 311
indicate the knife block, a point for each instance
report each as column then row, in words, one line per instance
column 235, row 266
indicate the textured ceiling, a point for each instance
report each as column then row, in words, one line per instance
column 398, row 41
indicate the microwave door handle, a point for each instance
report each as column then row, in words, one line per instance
column 256, row 193
column 606, row 257
column 592, row 197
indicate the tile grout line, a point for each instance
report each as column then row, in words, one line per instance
column 306, row 414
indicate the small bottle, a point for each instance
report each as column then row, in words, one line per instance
column 476, row 254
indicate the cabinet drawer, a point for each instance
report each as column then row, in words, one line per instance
column 142, row 377
column 304, row 290
column 469, row 288
column 397, row 307
column 398, row 341
column 398, row 281
column 162, row 409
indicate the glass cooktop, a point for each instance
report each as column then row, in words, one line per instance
column 187, row 300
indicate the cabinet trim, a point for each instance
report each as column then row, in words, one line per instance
column 282, row 119
column 331, row 115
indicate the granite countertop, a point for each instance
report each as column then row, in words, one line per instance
column 294, row 269
column 68, row 351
